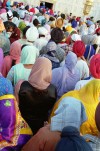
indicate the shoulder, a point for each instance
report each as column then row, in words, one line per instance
column 51, row 91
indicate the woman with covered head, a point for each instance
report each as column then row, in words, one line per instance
column 65, row 77
column 12, row 59
column 79, row 50
column 5, row 84
column 89, row 97
column 37, row 96
column 94, row 71
column 70, row 112
column 22, row 70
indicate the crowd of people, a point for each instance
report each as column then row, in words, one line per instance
column 49, row 80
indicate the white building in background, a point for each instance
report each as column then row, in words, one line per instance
column 70, row 6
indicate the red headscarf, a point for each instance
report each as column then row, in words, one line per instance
column 95, row 66
column 79, row 48
column 97, row 30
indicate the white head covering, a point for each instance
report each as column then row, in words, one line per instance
column 42, row 31
column 75, row 37
column 10, row 14
column 64, row 115
column 32, row 34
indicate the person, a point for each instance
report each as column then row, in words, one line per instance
column 65, row 77
column 71, row 140
column 91, row 27
column 47, row 137
column 89, row 96
column 12, row 29
column 28, row 58
column 12, row 59
column 94, row 72
column 83, row 30
column 37, row 96
column 51, row 54
column 14, row 131
column 91, row 49
column 79, row 50
column 94, row 141
column 5, row 84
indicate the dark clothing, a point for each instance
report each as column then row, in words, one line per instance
column 15, row 35
column 35, row 104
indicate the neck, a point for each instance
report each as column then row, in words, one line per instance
column 28, row 66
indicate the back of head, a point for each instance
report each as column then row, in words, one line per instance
column 57, row 35
column 79, row 48
column 71, row 60
column 32, row 34
column 76, row 37
column 28, row 55
column 72, row 141
column 95, row 66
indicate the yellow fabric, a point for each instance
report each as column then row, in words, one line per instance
column 89, row 96
column 69, row 29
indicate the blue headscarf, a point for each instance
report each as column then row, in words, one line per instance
column 72, row 141
column 89, row 52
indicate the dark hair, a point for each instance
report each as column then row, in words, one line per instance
column 27, row 7
column 95, row 46
column 23, row 46
column 25, row 30
column 13, row 62
column 51, row 19
column 63, row 16
column 15, row 14
column 57, row 35
column 36, row 22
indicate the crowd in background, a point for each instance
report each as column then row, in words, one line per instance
column 49, row 80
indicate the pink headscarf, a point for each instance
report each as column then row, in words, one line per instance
column 1, row 59
column 95, row 66
column 2, row 11
column 15, row 53
column 41, row 74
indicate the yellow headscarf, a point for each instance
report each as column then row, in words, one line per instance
column 89, row 96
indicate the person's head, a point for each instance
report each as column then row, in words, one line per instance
column 71, row 61
column 75, row 37
column 10, row 27
column 79, row 48
column 15, row 50
column 32, row 34
column 97, row 117
column 72, row 141
column 63, row 16
column 25, row 30
column 89, row 23
column 28, row 55
column 9, row 15
column 69, row 106
column 41, row 74
column 15, row 14
column 59, row 22
column 95, row 66
column 98, row 31
column 57, row 35
column 36, row 22
column 27, row 7
column 42, row 31
column 51, row 19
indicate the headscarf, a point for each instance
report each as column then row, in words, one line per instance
column 97, row 117
column 79, row 48
column 15, row 51
column 98, row 31
column 2, row 28
column 40, row 76
column 28, row 55
column 95, row 66
column 57, row 35
column 1, row 59
column 89, row 22
column 66, row 77
column 2, row 11
column 64, row 115
column 76, row 37
column 89, row 96
column 72, row 141
column 32, row 34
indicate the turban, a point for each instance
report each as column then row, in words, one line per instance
column 32, row 34
column 75, row 37
column 71, row 140
column 57, row 35
column 97, row 117
column 98, row 30
column 95, row 66
column 79, row 48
